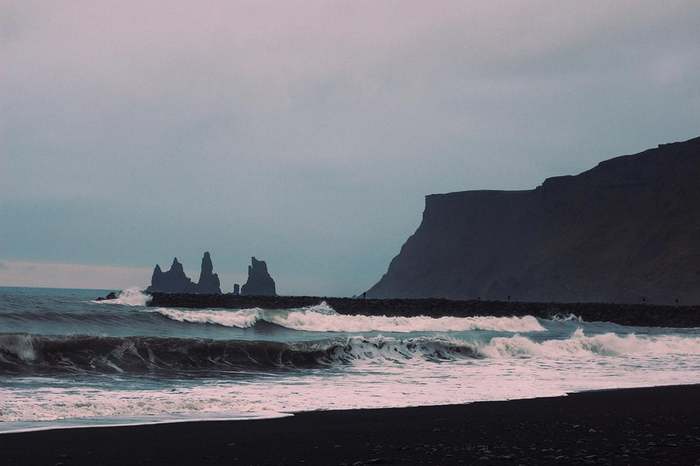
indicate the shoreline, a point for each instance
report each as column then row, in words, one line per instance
column 101, row 423
column 652, row 425
column 122, row 422
column 641, row 315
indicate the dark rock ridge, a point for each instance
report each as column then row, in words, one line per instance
column 175, row 280
column 626, row 231
column 625, row 314
column 259, row 283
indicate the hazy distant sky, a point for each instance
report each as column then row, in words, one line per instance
column 307, row 133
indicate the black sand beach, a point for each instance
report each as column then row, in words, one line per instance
column 635, row 426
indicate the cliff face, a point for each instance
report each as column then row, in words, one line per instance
column 626, row 231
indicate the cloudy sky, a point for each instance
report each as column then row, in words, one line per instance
column 307, row 132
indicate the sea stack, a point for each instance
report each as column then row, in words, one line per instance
column 175, row 280
column 208, row 280
column 172, row 281
column 259, row 283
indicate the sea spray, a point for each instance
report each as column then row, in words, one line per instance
column 128, row 297
column 581, row 345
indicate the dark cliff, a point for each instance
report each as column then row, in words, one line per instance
column 626, row 231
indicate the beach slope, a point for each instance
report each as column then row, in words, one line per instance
column 633, row 426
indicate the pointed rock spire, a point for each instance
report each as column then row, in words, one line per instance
column 259, row 283
column 208, row 280
column 176, row 266
column 172, row 281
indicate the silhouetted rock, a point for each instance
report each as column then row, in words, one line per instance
column 208, row 280
column 626, row 231
column 110, row 295
column 172, row 281
column 259, row 283
column 236, row 289
column 175, row 280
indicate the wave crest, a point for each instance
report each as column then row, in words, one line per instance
column 322, row 318
column 23, row 354
column 581, row 345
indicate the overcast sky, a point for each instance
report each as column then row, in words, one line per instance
column 307, row 133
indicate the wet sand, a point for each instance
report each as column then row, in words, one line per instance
column 635, row 426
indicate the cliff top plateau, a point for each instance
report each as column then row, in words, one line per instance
column 625, row 231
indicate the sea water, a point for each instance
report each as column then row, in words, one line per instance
column 69, row 361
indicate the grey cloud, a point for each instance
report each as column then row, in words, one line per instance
column 307, row 133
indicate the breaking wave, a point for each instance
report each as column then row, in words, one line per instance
column 567, row 318
column 128, row 297
column 322, row 318
column 581, row 345
column 23, row 353
column 29, row 354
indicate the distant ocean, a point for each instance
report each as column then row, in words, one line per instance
column 66, row 360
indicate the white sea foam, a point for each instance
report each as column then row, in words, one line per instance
column 567, row 318
column 244, row 318
column 322, row 318
column 128, row 297
column 578, row 344
column 552, row 367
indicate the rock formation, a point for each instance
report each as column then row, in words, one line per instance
column 111, row 295
column 208, row 280
column 627, row 230
column 175, row 280
column 172, row 281
column 259, row 283
column 236, row 289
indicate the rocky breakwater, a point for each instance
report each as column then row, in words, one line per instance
column 624, row 314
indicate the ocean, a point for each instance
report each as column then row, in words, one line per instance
column 68, row 361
